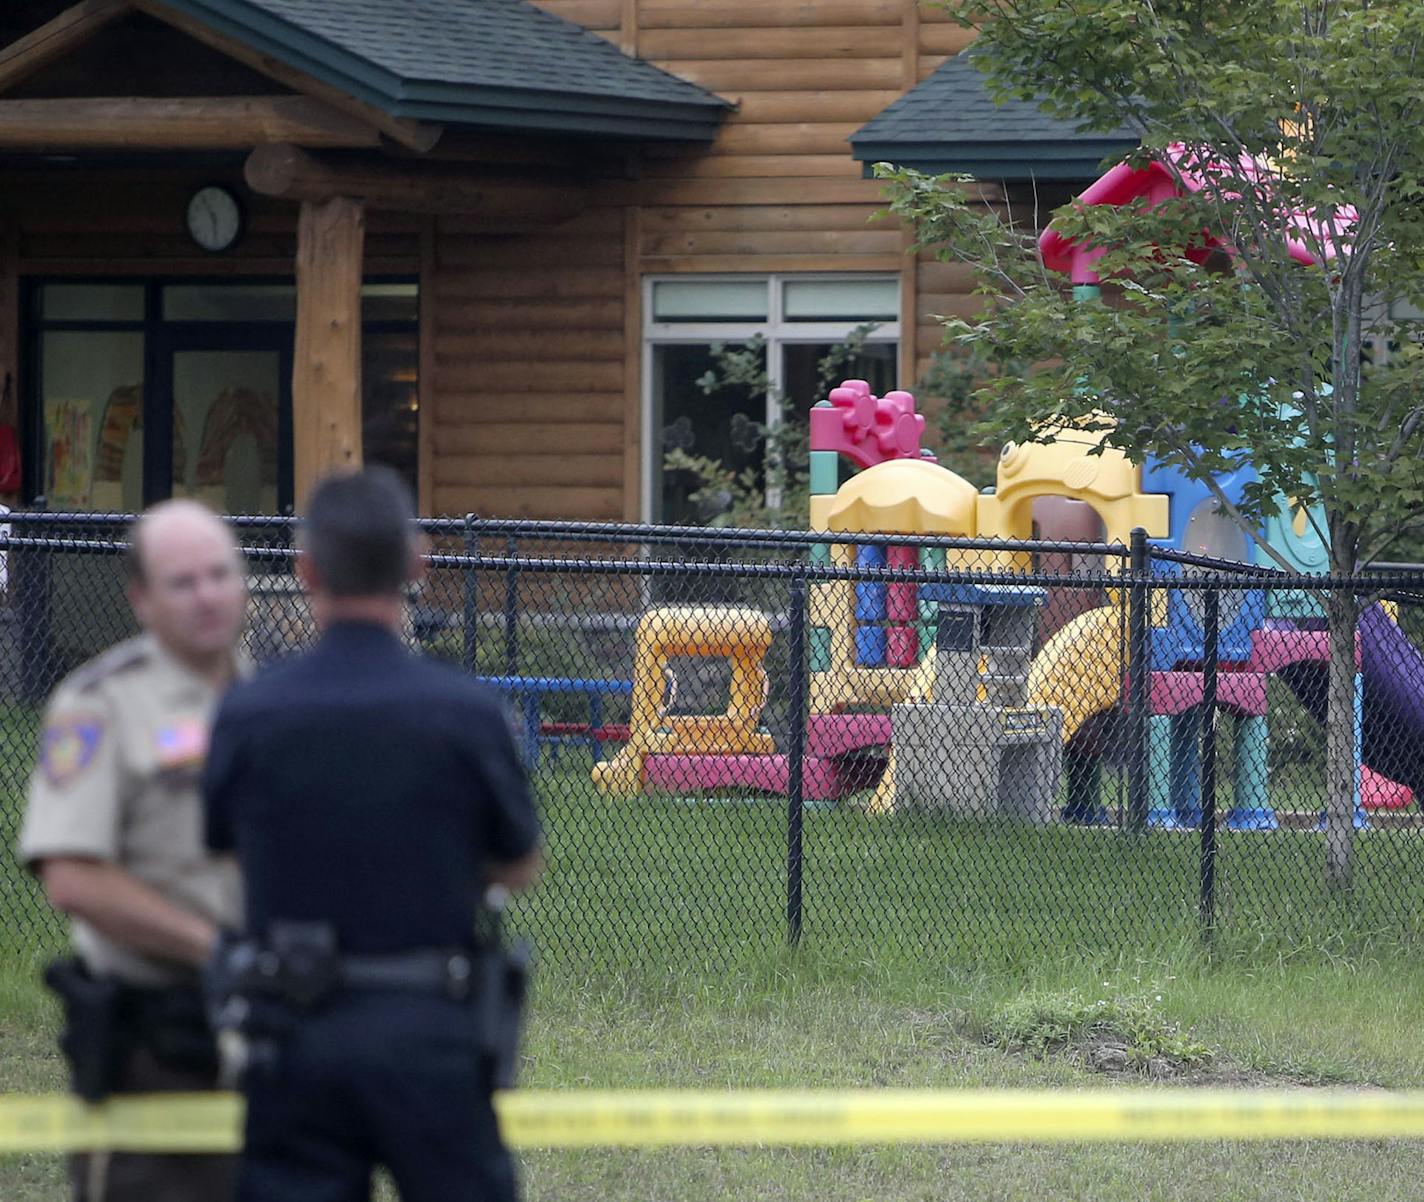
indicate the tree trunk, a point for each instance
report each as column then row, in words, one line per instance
column 1340, row 744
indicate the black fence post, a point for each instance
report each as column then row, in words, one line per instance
column 1139, row 676
column 796, row 754
column 29, row 580
column 511, row 609
column 1210, row 653
column 469, row 654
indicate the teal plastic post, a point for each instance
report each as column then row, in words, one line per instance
column 1359, row 736
column 1173, row 772
column 1159, row 771
column 1186, row 769
column 1362, row 821
column 825, row 473
column 1251, row 809
column 820, row 635
column 932, row 559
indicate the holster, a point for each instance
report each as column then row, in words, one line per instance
column 251, row 987
column 93, row 1040
column 502, row 980
column 106, row 1020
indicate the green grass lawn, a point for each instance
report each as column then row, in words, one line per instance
column 705, row 883
column 661, row 929
column 791, row 1019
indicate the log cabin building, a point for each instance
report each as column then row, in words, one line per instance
column 489, row 242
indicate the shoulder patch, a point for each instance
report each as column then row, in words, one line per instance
column 68, row 745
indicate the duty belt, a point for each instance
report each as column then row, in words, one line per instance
column 302, row 965
column 421, row 971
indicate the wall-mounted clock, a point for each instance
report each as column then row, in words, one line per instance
column 214, row 217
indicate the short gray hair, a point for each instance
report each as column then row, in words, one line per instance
column 360, row 532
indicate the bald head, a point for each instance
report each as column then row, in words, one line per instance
column 186, row 580
column 172, row 524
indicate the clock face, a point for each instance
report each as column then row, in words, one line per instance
column 214, row 218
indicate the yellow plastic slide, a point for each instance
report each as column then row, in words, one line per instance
column 1080, row 670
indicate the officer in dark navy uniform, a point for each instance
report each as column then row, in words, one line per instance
column 372, row 797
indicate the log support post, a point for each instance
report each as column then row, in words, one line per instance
column 326, row 374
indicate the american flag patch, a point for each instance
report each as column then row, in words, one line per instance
column 182, row 742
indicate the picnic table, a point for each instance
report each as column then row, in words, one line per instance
column 529, row 693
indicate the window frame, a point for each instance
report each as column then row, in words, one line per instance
column 162, row 336
column 776, row 329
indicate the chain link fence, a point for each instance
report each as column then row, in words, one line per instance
column 953, row 748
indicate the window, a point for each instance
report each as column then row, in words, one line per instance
column 800, row 319
column 204, row 368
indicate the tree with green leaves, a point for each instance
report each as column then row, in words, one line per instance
column 1291, row 130
column 774, row 490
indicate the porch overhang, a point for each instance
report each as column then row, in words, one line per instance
column 450, row 76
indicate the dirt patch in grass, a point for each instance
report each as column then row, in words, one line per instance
column 1123, row 1037
column 1112, row 1056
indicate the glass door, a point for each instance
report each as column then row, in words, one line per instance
column 144, row 389
column 230, row 416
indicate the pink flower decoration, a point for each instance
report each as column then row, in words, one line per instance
column 867, row 429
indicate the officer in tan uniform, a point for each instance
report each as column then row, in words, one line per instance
column 114, row 830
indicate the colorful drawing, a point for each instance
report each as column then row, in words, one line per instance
column 70, row 426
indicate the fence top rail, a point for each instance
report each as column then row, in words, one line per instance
column 241, row 521
column 621, row 532
column 1404, row 582
column 629, row 532
column 1385, row 585
column 109, row 546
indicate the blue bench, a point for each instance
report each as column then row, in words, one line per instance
column 530, row 691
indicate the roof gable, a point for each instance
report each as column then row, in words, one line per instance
column 138, row 55
column 949, row 122
column 488, row 63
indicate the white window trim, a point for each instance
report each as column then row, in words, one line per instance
column 776, row 329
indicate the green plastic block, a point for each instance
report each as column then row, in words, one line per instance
column 820, row 649
column 825, row 473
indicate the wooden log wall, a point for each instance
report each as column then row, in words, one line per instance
column 532, row 344
column 133, row 223
column 537, row 395
column 530, row 370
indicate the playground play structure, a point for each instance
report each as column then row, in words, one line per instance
column 943, row 682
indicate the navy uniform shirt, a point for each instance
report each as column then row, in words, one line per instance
column 366, row 786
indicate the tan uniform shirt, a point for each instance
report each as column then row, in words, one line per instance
column 117, row 779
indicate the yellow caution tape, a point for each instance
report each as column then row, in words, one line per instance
column 664, row 1118
column 197, row 1122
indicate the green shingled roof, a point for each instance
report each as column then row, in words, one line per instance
column 950, row 122
column 496, row 64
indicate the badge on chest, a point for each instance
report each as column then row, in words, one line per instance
column 182, row 743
